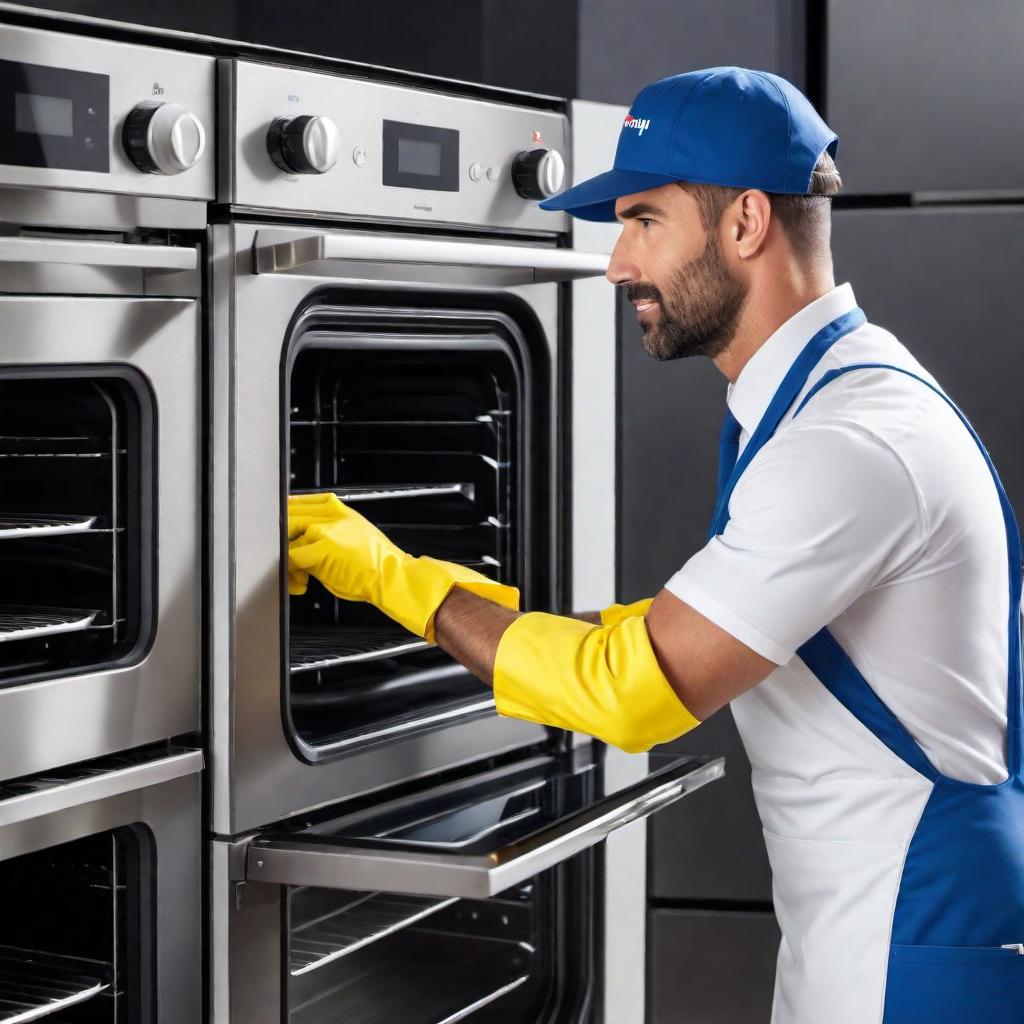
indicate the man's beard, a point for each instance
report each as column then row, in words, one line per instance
column 698, row 317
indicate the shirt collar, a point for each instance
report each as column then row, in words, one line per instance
column 751, row 394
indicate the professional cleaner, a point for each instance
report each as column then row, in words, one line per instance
column 857, row 601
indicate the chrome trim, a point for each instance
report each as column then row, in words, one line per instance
column 16, row 249
column 289, row 860
column 99, row 787
column 547, row 263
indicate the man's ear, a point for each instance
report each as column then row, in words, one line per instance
column 749, row 216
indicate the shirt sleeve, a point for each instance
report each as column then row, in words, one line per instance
column 823, row 513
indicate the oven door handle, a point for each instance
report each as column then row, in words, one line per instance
column 327, row 862
column 543, row 263
column 90, row 253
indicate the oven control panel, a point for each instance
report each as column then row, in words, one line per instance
column 328, row 145
column 106, row 116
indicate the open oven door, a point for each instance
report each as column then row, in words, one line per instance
column 476, row 837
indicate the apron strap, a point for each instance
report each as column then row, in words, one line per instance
column 845, row 682
column 791, row 386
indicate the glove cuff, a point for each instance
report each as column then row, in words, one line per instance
column 414, row 592
column 616, row 613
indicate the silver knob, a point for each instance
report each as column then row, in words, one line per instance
column 538, row 173
column 307, row 144
column 163, row 138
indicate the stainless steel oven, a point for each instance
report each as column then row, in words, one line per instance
column 393, row 320
column 100, row 883
column 100, row 415
column 472, row 897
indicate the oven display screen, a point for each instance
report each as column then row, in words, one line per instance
column 420, row 156
column 54, row 117
column 43, row 115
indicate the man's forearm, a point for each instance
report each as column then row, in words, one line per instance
column 469, row 628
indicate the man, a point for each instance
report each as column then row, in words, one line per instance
column 857, row 602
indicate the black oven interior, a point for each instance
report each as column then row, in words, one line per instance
column 73, row 932
column 426, row 424
column 517, row 958
column 74, row 521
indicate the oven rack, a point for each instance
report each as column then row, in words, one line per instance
column 27, row 446
column 312, row 649
column 35, row 985
column 437, row 982
column 17, row 623
column 39, row 524
column 351, row 921
column 387, row 492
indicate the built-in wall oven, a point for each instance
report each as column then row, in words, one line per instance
column 100, row 415
column 100, row 884
column 391, row 322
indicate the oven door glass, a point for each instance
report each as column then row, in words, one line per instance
column 421, row 419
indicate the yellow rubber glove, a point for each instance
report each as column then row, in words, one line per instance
column 616, row 613
column 601, row 680
column 355, row 561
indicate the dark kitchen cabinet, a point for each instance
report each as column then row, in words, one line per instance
column 623, row 47
column 926, row 95
column 945, row 281
column 711, row 968
column 712, row 848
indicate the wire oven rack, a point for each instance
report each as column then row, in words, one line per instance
column 312, row 649
column 340, row 922
column 34, row 985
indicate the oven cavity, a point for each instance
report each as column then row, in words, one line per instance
column 375, row 957
column 72, row 941
column 423, row 434
column 74, row 511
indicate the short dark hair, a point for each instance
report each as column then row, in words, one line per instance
column 805, row 218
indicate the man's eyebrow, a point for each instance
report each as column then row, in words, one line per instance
column 639, row 209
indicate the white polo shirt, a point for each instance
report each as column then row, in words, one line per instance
column 873, row 513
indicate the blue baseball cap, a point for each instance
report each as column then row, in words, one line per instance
column 719, row 126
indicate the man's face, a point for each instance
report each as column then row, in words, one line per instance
column 688, row 302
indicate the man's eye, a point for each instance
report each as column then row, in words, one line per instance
column 645, row 221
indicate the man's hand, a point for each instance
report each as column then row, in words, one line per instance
column 356, row 562
column 341, row 548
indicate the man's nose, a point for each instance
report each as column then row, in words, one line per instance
column 621, row 267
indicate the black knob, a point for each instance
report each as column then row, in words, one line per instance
column 307, row 144
column 538, row 173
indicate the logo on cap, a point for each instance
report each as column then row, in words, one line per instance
column 640, row 123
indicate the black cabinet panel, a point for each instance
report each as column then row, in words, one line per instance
column 710, row 846
column 668, row 449
column 926, row 96
column 711, row 968
column 945, row 282
column 623, row 47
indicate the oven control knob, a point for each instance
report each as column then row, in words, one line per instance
column 308, row 144
column 538, row 173
column 163, row 138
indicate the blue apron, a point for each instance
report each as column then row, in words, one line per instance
column 961, row 893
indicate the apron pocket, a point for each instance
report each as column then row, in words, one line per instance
column 953, row 984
